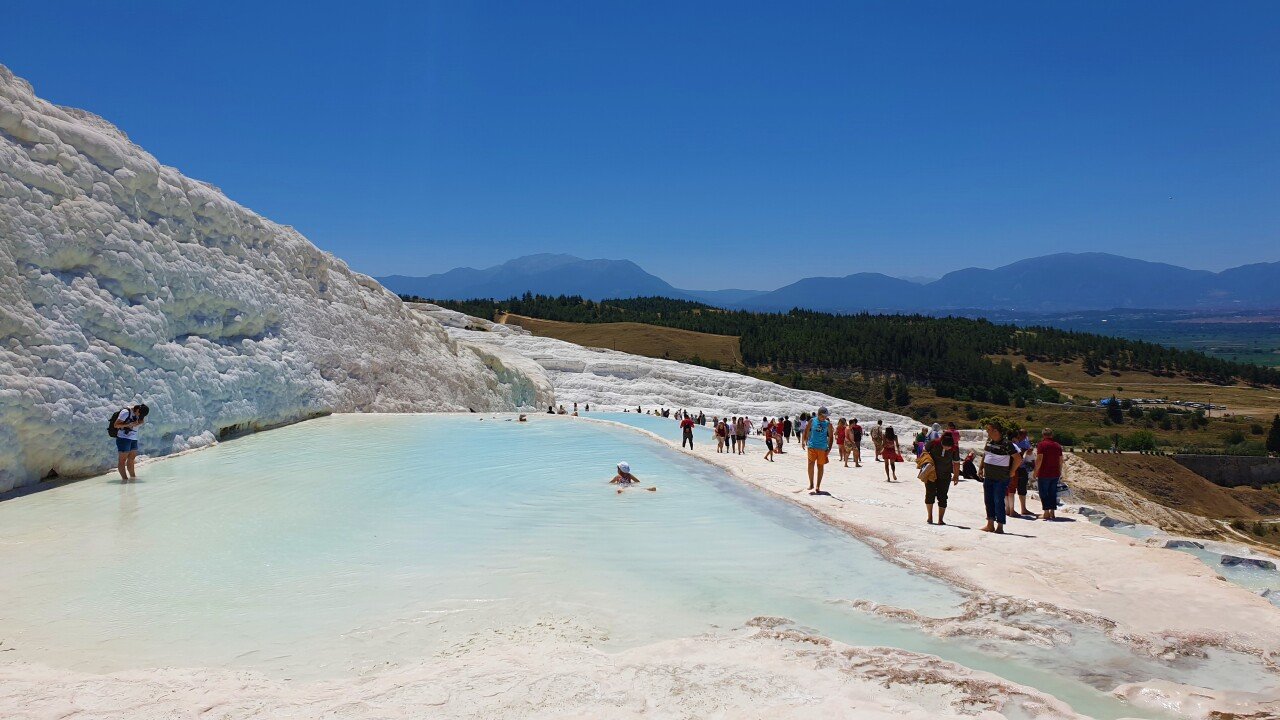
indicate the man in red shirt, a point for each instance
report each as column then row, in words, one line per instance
column 686, row 425
column 1048, row 471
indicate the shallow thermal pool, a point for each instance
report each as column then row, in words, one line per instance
column 345, row 543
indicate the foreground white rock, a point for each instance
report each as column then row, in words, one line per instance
column 550, row 671
column 124, row 281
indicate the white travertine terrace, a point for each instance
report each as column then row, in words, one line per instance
column 125, row 281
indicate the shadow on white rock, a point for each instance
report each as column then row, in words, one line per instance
column 127, row 282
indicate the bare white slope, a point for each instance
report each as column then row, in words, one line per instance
column 124, row 281
column 612, row 380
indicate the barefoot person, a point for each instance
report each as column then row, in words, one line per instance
column 877, row 438
column 999, row 461
column 624, row 479
column 891, row 452
column 842, row 429
column 1048, row 472
column 818, row 435
column 946, row 472
column 124, row 428
column 855, row 437
column 1022, row 441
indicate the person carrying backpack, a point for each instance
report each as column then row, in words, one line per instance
column 123, row 426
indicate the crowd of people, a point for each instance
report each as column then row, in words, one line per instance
column 1006, row 465
column 1008, row 462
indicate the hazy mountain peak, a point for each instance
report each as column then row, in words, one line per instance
column 1060, row 282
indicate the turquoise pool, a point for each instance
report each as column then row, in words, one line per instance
column 348, row 542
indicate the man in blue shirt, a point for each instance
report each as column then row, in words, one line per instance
column 817, row 438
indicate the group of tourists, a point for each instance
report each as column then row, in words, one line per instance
column 1006, row 466
column 731, row 434
column 1008, row 463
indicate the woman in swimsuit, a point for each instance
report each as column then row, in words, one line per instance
column 891, row 453
column 624, row 479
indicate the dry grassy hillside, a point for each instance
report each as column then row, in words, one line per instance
column 1168, row 483
column 638, row 339
column 1070, row 378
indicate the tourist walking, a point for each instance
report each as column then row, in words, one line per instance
column 891, row 452
column 686, row 435
column 877, row 438
column 768, row 441
column 817, row 439
column 955, row 434
column 999, row 458
column 945, row 458
column 855, row 436
column 842, row 427
column 124, row 428
column 1048, row 472
column 742, row 428
column 1022, row 442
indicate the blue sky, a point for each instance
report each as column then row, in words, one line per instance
column 717, row 144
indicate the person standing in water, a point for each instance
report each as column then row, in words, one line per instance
column 686, row 427
column 818, row 436
column 999, row 462
column 124, row 428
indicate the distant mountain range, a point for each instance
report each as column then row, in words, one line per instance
column 1064, row 282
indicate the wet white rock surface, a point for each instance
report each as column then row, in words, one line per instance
column 125, row 281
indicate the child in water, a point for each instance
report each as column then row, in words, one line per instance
column 624, row 479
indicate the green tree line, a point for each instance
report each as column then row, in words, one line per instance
column 950, row 354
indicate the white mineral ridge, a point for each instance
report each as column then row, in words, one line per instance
column 613, row 381
column 125, row 281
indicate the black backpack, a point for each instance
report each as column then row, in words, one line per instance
column 112, row 430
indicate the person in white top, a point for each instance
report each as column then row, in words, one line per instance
column 124, row 428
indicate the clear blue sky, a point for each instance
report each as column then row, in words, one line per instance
column 717, row 144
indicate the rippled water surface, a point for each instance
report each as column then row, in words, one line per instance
column 348, row 529
column 348, row 542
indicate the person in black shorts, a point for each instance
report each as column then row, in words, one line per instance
column 946, row 466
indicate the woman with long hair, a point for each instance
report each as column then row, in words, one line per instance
column 891, row 452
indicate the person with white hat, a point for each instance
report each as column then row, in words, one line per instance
column 625, row 479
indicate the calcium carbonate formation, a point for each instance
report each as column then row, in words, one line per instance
column 609, row 380
column 124, row 281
